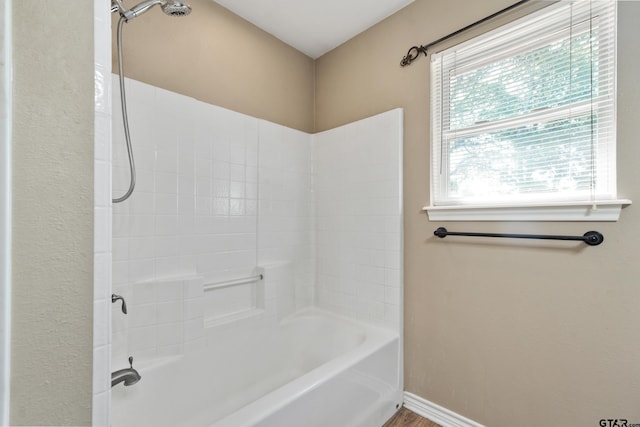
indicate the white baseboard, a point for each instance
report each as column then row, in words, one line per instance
column 436, row 413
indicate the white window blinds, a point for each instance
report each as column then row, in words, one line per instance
column 526, row 113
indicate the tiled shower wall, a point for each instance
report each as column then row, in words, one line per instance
column 102, row 215
column 358, row 192
column 193, row 220
column 194, row 209
column 222, row 196
column 286, row 207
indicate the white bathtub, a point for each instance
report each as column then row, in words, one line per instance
column 314, row 370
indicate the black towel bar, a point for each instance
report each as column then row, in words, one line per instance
column 591, row 238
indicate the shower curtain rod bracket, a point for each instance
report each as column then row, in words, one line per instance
column 415, row 51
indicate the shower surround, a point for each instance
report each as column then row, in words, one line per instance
column 222, row 196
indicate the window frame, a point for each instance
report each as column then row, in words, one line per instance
column 605, row 206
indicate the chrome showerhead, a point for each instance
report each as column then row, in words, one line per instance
column 170, row 7
column 176, row 8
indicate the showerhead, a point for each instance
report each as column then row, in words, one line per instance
column 176, row 8
column 170, row 7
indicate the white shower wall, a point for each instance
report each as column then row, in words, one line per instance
column 358, row 192
column 194, row 209
column 102, row 216
column 286, row 209
column 221, row 195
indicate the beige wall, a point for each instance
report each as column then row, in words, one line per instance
column 52, row 281
column 506, row 333
column 217, row 57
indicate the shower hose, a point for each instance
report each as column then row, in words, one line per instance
column 125, row 120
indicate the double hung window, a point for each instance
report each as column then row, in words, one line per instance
column 524, row 116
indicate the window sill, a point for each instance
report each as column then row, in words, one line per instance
column 607, row 210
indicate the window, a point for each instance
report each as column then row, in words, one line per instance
column 524, row 117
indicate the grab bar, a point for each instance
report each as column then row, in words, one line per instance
column 591, row 238
column 235, row 282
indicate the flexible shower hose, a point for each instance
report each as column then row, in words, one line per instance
column 125, row 120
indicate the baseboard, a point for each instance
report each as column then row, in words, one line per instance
column 436, row 413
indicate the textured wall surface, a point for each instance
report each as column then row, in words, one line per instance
column 506, row 333
column 5, row 203
column 217, row 57
column 52, row 213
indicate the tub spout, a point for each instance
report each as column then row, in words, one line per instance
column 128, row 375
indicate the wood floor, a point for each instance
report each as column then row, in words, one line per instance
column 406, row 418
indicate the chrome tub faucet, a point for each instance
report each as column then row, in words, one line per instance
column 127, row 375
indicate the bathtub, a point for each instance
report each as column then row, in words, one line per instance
column 313, row 369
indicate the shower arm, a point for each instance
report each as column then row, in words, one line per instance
column 116, row 6
column 119, row 7
column 135, row 11
column 141, row 8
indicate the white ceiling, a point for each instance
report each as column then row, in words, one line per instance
column 314, row 26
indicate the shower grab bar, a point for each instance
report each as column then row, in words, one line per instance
column 591, row 238
column 235, row 282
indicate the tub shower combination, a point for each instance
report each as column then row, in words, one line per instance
column 314, row 369
column 260, row 267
